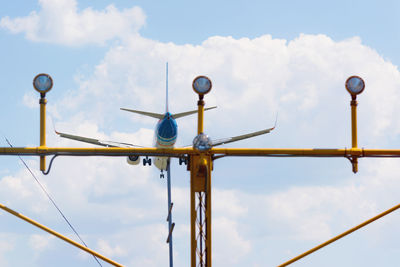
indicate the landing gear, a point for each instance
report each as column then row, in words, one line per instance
column 146, row 161
column 183, row 160
column 162, row 174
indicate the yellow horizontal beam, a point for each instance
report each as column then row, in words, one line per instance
column 50, row 231
column 176, row 152
column 305, row 152
column 280, row 152
column 101, row 151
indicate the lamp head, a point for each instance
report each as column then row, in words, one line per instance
column 355, row 85
column 42, row 83
column 202, row 85
column 202, row 142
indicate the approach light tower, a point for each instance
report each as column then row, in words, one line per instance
column 200, row 167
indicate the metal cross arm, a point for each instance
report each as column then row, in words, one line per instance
column 215, row 152
column 96, row 151
column 305, row 152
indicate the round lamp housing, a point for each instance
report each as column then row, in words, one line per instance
column 202, row 142
column 202, row 85
column 42, row 83
column 355, row 85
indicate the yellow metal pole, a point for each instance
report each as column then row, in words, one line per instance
column 50, row 231
column 340, row 236
column 354, row 163
column 43, row 103
column 200, row 185
column 208, row 211
column 193, row 215
column 353, row 105
column 194, row 169
column 200, row 116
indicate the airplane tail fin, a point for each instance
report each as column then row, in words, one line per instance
column 166, row 89
column 161, row 116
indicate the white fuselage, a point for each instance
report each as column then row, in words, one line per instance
column 165, row 137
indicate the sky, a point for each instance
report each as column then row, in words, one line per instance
column 264, row 58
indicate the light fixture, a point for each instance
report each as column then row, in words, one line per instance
column 202, row 85
column 42, row 83
column 202, row 142
column 355, row 85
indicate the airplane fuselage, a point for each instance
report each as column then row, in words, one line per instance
column 165, row 137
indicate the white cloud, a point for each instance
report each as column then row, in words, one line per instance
column 106, row 249
column 229, row 244
column 40, row 242
column 21, row 188
column 30, row 100
column 226, row 202
column 60, row 22
column 310, row 213
column 7, row 244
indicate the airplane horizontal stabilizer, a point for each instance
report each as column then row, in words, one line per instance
column 187, row 113
column 145, row 113
column 240, row 137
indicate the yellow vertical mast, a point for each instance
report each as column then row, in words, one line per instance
column 43, row 84
column 200, row 184
column 43, row 103
column 354, row 85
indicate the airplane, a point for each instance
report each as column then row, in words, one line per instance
column 165, row 135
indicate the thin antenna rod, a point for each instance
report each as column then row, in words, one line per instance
column 170, row 223
column 166, row 86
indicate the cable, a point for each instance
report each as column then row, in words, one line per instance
column 51, row 163
column 52, row 201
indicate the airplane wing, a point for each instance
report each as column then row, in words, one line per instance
column 95, row 141
column 145, row 113
column 244, row 136
column 183, row 114
column 240, row 137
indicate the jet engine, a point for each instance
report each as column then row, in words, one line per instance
column 133, row 160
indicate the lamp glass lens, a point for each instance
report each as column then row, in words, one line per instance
column 202, row 142
column 355, row 85
column 43, row 83
column 202, row 85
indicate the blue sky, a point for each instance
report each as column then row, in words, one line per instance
column 263, row 57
